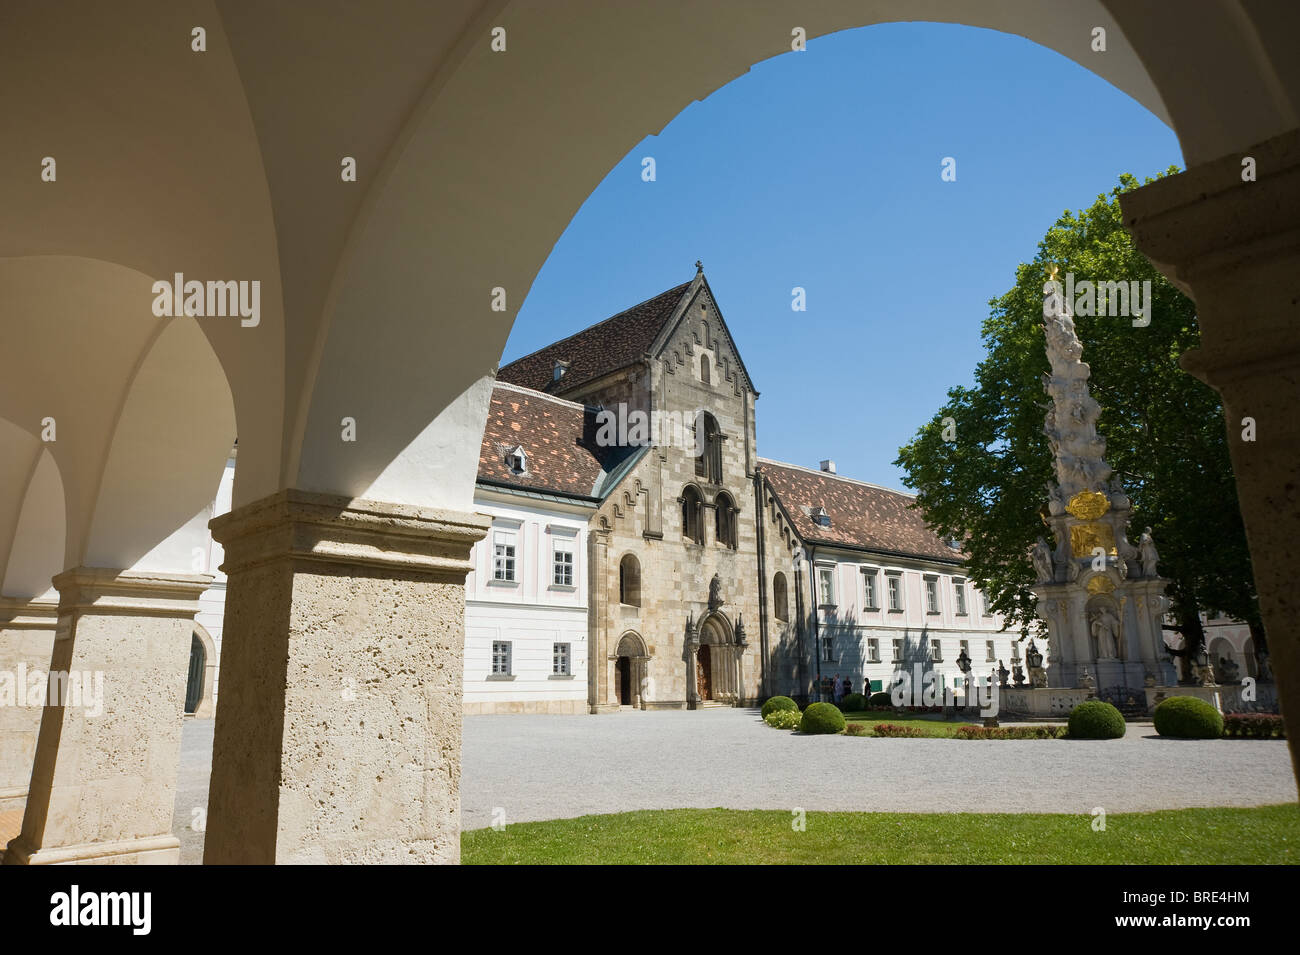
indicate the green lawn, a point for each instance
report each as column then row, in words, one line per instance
column 929, row 726
column 1269, row 834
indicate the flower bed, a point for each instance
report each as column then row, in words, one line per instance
column 893, row 729
column 1010, row 732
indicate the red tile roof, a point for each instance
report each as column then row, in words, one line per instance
column 558, row 438
column 604, row 347
column 863, row 516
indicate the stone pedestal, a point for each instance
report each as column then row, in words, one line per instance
column 338, row 728
column 103, row 779
column 26, row 645
column 1234, row 246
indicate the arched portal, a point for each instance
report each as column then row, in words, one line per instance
column 629, row 685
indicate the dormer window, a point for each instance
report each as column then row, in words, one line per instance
column 561, row 368
column 517, row 460
column 820, row 516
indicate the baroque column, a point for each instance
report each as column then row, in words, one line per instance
column 339, row 721
column 1227, row 233
column 26, row 645
column 103, row 781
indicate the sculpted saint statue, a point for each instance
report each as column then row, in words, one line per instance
column 1105, row 630
column 1148, row 554
column 1042, row 558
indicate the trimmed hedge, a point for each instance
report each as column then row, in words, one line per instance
column 784, row 719
column 1253, row 726
column 822, row 718
column 778, row 703
column 1186, row 717
column 853, row 703
column 1096, row 719
column 895, row 730
column 881, row 699
column 1009, row 732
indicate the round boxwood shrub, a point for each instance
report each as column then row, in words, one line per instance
column 822, row 718
column 880, row 699
column 853, row 703
column 1186, row 717
column 1096, row 719
column 778, row 703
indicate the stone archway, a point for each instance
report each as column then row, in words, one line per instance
column 629, row 684
column 716, row 662
column 202, row 677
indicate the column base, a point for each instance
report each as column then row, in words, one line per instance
column 155, row 850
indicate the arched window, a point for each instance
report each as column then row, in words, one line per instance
column 708, row 448
column 692, row 518
column 705, row 369
column 779, row 599
column 629, row 581
column 725, row 520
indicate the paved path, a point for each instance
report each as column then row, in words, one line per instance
column 548, row 767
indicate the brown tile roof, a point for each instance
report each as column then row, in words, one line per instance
column 862, row 516
column 604, row 347
column 557, row 436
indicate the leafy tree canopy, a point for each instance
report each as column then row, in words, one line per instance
column 1164, row 430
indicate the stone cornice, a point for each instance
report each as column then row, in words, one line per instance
column 104, row 590
column 308, row 527
column 19, row 614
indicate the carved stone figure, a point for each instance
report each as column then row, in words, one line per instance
column 1003, row 673
column 1228, row 671
column 963, row 662
column 1104, row 626
column 1017, row 673
column 1033, row 659
column 1086, row 681
column 715, row 592
column 1148, row 554
column 1042, row 558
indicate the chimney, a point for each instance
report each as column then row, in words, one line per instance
column 828, row 466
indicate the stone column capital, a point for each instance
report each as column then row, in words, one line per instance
column 306, row 527
column 111, row 592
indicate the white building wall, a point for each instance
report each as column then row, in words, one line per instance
column 531, row 613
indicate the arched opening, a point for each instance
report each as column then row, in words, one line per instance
column 708, row 448
column 623, row 684
column 692, row 515
column 724, row 516
column 629, row 685
column 704, row 673
column 780, row 600
column 197, row 671
column 629, row 581
column 705, row 369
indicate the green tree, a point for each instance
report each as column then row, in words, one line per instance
column 1164, row 430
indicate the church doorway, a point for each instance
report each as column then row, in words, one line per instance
column 624, row 683
column 704, row 673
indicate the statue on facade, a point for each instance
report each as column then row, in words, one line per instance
column 1105, row 633
column 1042, row 558
column 1148, row 554
column 715, row 592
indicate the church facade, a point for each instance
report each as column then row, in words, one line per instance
column 711, row 576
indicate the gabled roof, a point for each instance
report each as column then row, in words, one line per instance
column 559, row 439
column 863, row 516
column 607, row 346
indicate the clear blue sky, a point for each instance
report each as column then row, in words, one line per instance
column 822, row 169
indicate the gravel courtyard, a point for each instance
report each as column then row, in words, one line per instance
column 547, row 767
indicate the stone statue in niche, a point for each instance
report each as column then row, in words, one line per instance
column 1042, row 558
column 1148, row 554
column 1105, row 632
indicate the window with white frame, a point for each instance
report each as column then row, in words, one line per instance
column 869, row 589
column 503, row 556
column 959, row 595
column 562, row 564
column 826, row 585
column 895, row 592
column 500, row 657
column 936, row 651
column 828, row 650
column 990, row 654
column 984, row 605
column 560, row 659
column 931, row 595
column 898, row 650
column 873, row 651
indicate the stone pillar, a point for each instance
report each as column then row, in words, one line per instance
column 1234, row 246
column 338, row 726
column 26, row 645
column 103, row 779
